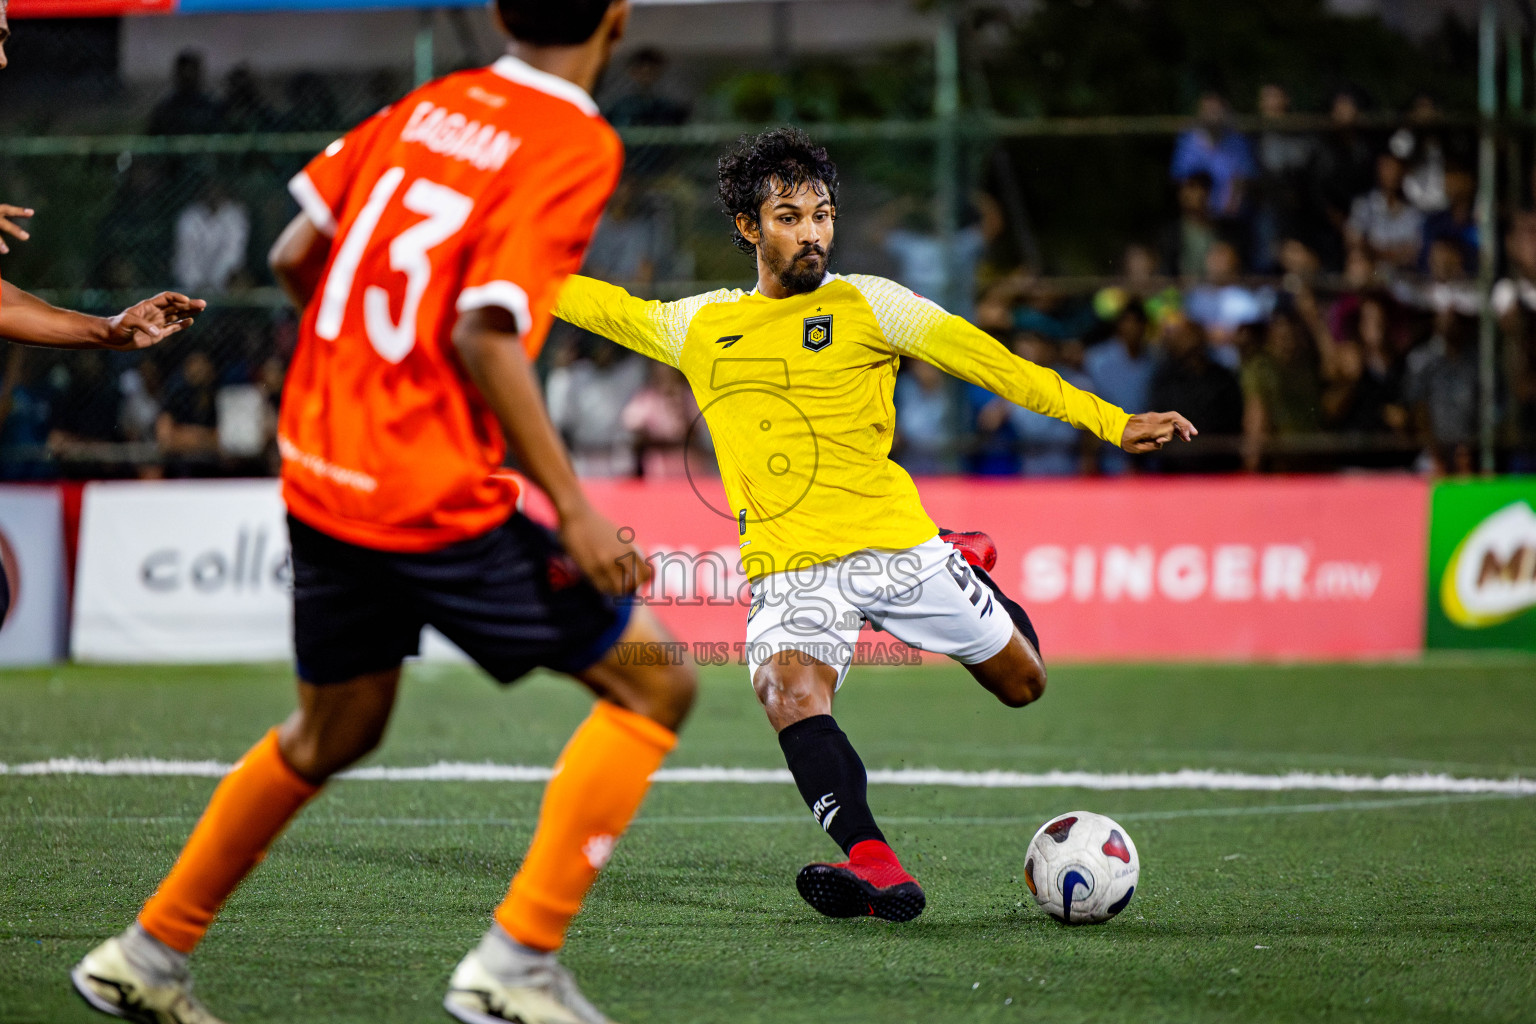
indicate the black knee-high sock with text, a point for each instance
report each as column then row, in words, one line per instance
column 831, row 779
column 1015, row 611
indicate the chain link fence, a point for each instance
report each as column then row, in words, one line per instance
column 1043, row 231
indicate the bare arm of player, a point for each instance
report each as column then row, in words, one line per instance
column 28, row 319
column 492, row 353
column 298, row 259
column 8, row 225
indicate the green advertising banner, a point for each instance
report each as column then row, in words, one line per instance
column 1482, row 564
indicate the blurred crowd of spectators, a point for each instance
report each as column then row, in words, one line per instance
column 203, row 408
column 1310, row 303
column 206, row 404
column 204, row 222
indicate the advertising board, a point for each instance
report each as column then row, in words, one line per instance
column 173, row 571
column 1482, row 564
column 1269, row 568
column 1279, row 568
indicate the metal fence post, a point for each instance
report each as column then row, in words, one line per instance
column 946, row 110
column 1488, row 107
column 1514, row 100
column 423, row 51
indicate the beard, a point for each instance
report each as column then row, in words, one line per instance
column 797, row 274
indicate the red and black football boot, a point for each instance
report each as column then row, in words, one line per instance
column 870, row 883
column 975, row 546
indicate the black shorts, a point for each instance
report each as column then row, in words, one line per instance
column 511, row 599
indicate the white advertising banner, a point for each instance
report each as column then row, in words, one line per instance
column 32, row 550
column 183, row 571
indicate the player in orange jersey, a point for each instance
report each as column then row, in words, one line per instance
column 433, row 240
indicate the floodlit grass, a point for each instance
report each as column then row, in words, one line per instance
column 1293, row 906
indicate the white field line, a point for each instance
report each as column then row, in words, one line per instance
column 796, row 819
column 1185, row 778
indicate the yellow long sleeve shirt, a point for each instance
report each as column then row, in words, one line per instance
column 797, row 395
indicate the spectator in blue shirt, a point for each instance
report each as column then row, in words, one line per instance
column 1023, row 301
column 1121, row 370
column 927, row 415
column 993, row 449
column 1456, row 223
column 1222, row 303
column 1213, row 147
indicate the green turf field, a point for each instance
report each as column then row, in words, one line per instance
column 1253, row 907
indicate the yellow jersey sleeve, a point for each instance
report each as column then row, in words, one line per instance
column 914, row 326
column 650, row 327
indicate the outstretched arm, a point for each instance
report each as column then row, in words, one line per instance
column 652, row 328
column 916, row 327
column 31, row 321
column 966, row 352
column 28, row 319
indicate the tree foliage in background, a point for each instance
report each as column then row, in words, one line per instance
column 1088, row 197
column 1084, row 57
column 896, row 83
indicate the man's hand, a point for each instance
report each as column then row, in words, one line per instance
column 8, row 225
column 151, row 321
column 1149, row 431
column 613, row 565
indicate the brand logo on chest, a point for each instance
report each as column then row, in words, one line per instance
column 818, row 332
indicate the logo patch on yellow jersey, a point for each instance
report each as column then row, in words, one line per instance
column 818, row 332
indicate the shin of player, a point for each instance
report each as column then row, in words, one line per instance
column 600, row 780
column 797, row 693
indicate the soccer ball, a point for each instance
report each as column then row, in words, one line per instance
column 1081, row 868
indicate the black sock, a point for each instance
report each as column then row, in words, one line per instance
column 831, row 779
column 1017, row 614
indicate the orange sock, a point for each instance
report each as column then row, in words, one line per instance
column 248, row 810
column 599, row 782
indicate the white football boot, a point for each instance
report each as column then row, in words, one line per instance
column 494, row 985
column 106, row 980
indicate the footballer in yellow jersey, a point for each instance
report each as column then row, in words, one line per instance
column 797, row 393
column 795, row 381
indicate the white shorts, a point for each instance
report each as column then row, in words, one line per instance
column 926, row 596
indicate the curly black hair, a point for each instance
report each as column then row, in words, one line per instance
column 775, row 162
